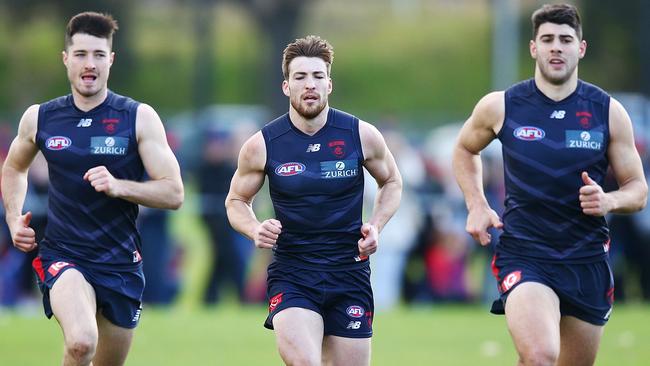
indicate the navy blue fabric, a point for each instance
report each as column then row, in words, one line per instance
column 546, row 147
column 586, row 290
column 82, row 223
column 343, row 298
column 316, row 185
column 118, row 294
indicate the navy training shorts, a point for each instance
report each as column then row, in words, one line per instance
column 118, row 294
column 343, row 298
column 585, row 290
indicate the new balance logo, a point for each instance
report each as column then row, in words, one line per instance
column 558, row 114
column 354, row 325
column 313, row 147
column 85, row 122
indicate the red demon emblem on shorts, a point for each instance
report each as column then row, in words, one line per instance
column 511, row 279
column 56, row 267
column 274, row 302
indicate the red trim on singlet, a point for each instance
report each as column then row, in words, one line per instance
column 37, row 264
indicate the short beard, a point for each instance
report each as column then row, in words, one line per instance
column 556, row 80
column 308, row 113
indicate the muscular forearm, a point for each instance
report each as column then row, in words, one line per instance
column 630, row 197
column 161, row 193
column 14, row 189
column 241, row 216
column 469, row 175
column 386, row 203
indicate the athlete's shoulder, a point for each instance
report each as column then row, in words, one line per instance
column 56, row 103
column 277, row 127
column 522, row 89
column 593, row 92
column 121, row 102
column 341, row 119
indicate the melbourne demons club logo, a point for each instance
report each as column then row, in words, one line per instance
column 110, row 124
column 337, row 147
column 510, row 280
column 584, row 119
column 275, row 301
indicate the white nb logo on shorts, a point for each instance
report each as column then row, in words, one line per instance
column 354, row 325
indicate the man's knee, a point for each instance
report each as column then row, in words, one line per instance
column 81, row 346
column 539, row 356
column 301, row 359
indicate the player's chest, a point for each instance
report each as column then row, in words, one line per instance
column 92, row 139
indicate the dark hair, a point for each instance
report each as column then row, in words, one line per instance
column 310, row 46
column 92, row 23
column 557, row 14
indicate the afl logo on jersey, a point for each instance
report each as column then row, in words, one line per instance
column 289, row 169
column 58, row 143
column 529, row 133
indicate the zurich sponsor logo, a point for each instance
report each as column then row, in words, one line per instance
column 58, row 143
column 108, row 145
column 339, row 169
column 529, row 133
column 289, row 169
column 591, row 140
column 355, row 311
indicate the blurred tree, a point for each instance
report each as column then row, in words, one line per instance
column 278, row 20
column 204, row 58
column 617, row 34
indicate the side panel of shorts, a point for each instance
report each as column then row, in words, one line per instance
column 585, row 290
column 344, row 299
column 118, row 294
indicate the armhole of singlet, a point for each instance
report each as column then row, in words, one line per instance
column 505, row 115
column 606, row 106
column 39, row 118
column 357, row 138
column 267, row 147
column 133, row 120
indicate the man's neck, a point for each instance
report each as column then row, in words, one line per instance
column 87, row 103
column 553, row 91
column 309, row 126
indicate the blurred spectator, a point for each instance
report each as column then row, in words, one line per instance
column 161, row 257
column 630, row 246
column 400, row 233
column 231, row 252
column 17, row 280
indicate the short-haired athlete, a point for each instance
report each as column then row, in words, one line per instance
column 97, row 145
column 320, row 299
column 559, row 136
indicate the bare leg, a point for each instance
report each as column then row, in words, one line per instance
column 73, row 303
column 580, row 341
column 299, row 335
column 346, row 351
column 533, row 316
column 114, row 343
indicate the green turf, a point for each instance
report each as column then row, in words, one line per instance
column 232, row 335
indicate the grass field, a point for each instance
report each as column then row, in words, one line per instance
column 233, row 335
